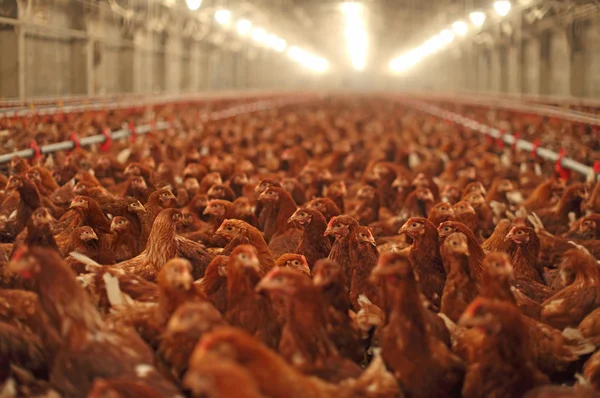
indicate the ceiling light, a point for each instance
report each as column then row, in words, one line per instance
column 244, row 26
column 460, row 28
column 446, row 36
column 297, row 54
column 271, row 40
column 281, row 45
column 502, row 7
column 477, row 18
column 223, row 17
column 259, row 35
column 351, row 8
column 193, row 5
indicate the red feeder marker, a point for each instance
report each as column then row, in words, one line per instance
column 563, row 173
column 596, row 167
column 536, row 145
column 132, row 132
column 105, row 146
column 517, row 136
column 37, row 152
column 75, row 140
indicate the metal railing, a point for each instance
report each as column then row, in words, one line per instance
column 127, row 132
column 497, row 134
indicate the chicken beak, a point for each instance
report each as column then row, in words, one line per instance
column 93, row 235
column 329, row 232
column 186, row 281
column 253, row 263
column 463, row 248
column 209, row 210
column 510, row 235
column 269, row 283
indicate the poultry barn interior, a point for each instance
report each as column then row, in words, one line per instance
column 300, row 198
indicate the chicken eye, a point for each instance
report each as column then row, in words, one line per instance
column 296, row 262
column 243, row 256
column 229, row 228
column 414, row 225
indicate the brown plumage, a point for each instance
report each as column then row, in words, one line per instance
column 313, row 245
column 476, row 253
column 245, row 308
column 423, row 365
column 426, row 258
column 507, row 369
column 460, row 287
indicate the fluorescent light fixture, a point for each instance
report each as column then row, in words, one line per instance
column 297, row 54
column 477, row 18
column 356, row 35
column 446, row 36
column 259, row 35
column 223, row 17
column 271, row 40
column 244, row 27
column 281, row 45
column 460, row 28
column 351, row 8
column 502, row 7
column 193, row 5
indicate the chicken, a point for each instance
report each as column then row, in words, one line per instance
column 285, row 236
column 440, row 213
column 214, row 283
column 496, row 280
column 525, row 262
column 275, row 378
column 175, row 288
column 426, row 258
column 425, row 366
column 238, row 233
column 341, row 227
column 367, row 210
column 296, row 262
column 460, row 288
column 476, row 253
column 123, row 244
column 29, row 201
column 507, row 368
column 246, row 309
column 364, row 256
column 82, row 332
column 326, row 206
column 556, row 219
column 569, row 306
column 305, row 342
column 313, row 245
column 186, row 326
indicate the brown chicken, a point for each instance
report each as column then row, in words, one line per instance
column 507, row 368
column 186, row 326
column 341, row 227
column 313, row 244
column 305, row 342
column 245, row 308
column 423, row 365
column 568, row 307
column 426, row 258
column 476, row 253
column 460, row 288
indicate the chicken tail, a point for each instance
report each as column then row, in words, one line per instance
column 376, row 380
column 536, row 221
column 450, row 325
column 90, row 265
column 578, row 344
column 123, row 156
column 116, row 297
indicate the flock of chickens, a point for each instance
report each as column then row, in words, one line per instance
column 344, row 248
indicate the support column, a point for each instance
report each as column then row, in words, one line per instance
column 12, row 78
column 531, row 66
